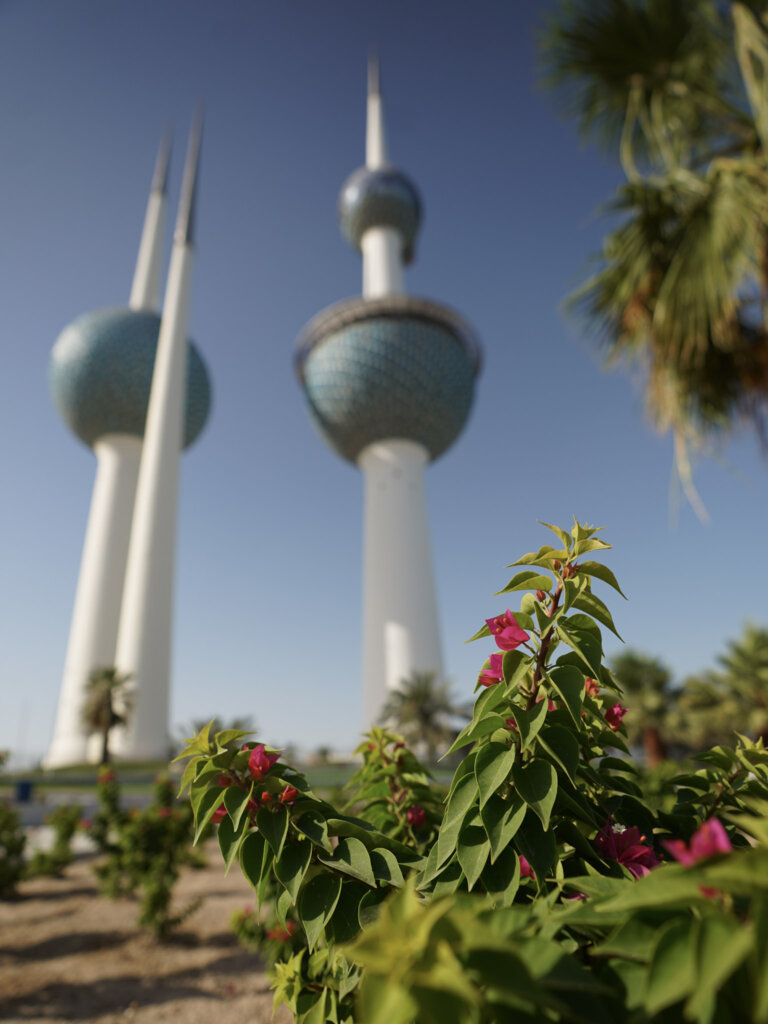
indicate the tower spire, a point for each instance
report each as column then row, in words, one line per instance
column 144, row 637
column 145, row 290
column 375, row 141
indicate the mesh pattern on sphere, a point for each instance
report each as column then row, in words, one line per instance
column 382, row 198
column 389, row 377
column 101, row 375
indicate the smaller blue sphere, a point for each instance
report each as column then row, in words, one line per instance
column 381, row 198
column 101, row 375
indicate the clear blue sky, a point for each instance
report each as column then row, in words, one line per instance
column 269, row 545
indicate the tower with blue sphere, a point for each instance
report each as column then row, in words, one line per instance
column 105, row 375
column 389, row 379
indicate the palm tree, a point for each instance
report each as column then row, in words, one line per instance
column 647, row 685
column 105, row 692
column 422, row 710
column 678, row 91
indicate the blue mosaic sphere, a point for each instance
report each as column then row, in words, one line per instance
column 101, row 374
column 390, row 368
column 381, row 198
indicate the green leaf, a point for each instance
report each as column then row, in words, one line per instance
column 582, row 641
column 515, row 665
column 582, row 547
column 536, row 783
column 529, row 722
column 760, row 918
column 370, row 904
column 317, row 902
column 345, row 923
column 314, row 826
column 190, row 771
column 283, row 904
column 206, row 805
column 480, row 634
column 272, row 822
column 492, row 767
column 537, row 846
column 562, row 535
column 721, row 946
column 472, row 850
column 449, row 880
column 459, row 803
column 310, row 1007
column 544, row 557
column 236, row 800
column 671, row 975
column 386, row 867
column 291, row 866
column 230, row 842
column 501, row 879
column 601, row 572
column 568, row 681
column 501, row 820
column 617, row 764
column 561, row 744
column 254, row 858
column 476, row 729
column 526, row 581
column 593, row 606
column 351, row 857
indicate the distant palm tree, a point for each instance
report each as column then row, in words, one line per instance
column 107, row 690
column 647, row 686
column 422, row 710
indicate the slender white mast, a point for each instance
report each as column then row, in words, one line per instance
column 381, row 246
column 96, row 613
column 144, row 637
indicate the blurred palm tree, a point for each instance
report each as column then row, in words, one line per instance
column 646, row 682
column 422, row 710
column 106, row 691
column 679, row 91
column 731, row 698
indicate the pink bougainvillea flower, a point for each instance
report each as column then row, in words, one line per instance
column 289, row 795
column 591, row 686
column 551, row 706
column 260, row 761
column 493, row 674
column 627, row 846
column 526, row 871
column 576, row 896
column 506, row 632
column 218, row 814
column 614, row 716
column 416, row 817
column 224, row 780
column 709, row 840
column 510, row 723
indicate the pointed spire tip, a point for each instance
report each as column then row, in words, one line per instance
column 373, row 74
column 160, row 177
column 185, row 222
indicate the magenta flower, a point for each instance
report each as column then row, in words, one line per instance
column 506, row 631
column 627, row 846
column 709, row 840
column 416, row 817
column 614, row 716
column 260, row 761
column 289, row 795
column 526, row 871
column 495, row 673
column 218, row 814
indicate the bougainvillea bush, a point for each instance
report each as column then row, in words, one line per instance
column 541, row 886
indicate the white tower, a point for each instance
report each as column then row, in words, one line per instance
column 144, row 637
column 100, row 374
column 390, row 381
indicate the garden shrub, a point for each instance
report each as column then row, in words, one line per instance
column 543, row 886
column 145, row 850
column 12, row 844
column 64, row 820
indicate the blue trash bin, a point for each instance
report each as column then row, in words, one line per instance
column 23, row 791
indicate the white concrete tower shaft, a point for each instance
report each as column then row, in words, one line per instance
column 96, row 613
column 144, row 636
column 401, row 632
column 381, row 246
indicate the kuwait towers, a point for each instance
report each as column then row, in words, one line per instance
column 389, row 379
column 132, row 388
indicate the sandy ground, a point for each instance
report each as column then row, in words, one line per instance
column 67, row 954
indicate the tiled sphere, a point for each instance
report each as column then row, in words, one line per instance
column 101, row 374
column 376, row 370
column 381, row 198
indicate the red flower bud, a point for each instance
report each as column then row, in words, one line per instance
column 540, row 595
column 416, row 817
column 557, row 565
